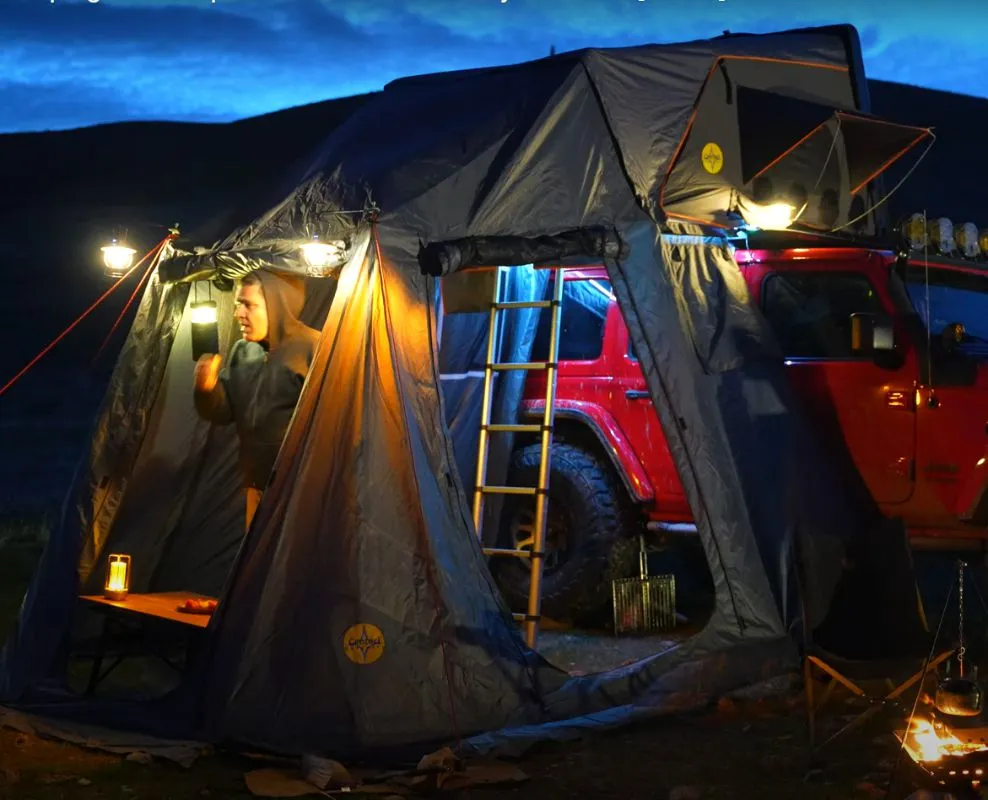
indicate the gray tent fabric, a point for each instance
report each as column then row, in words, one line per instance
column 358, row 616
column 453, row 623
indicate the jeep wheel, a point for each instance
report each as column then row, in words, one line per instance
column 586, row 542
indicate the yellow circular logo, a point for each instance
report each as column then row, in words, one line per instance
column 712, row 158
column 363, row 643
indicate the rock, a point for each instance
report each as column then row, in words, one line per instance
column 21, row 740
column 684, row 793
column 126, row 789
column 726, row 704
column 140, row 757
column 205, row 792
column 84, row 782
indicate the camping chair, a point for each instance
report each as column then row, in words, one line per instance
column 875, row 641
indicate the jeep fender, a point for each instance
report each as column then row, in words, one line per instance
column 612, row 441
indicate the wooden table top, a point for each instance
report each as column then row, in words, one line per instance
column 162, row 605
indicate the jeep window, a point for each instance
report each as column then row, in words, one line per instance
column 810, row 312
column 954, row 296
column 585, row 305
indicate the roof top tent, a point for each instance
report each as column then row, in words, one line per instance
column 365, row 523
column 769, row 133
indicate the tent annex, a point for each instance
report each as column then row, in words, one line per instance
column 358, row 616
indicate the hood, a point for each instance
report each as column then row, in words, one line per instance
column 284, row 296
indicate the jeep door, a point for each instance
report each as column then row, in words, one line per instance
column 863, row 410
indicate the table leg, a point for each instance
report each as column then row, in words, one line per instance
column 98, row 658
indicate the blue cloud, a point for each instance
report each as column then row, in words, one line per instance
column 76, row 62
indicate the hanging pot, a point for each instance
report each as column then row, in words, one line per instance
column 959, row 697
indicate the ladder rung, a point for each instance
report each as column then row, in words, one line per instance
column 507, row 551
column 523, row 428
column 529, row 365
column 523, row 304
column 526, row 490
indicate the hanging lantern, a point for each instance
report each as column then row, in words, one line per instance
column 203, row 313
column 322, row 258
column 205, row 329
column 117, row 258
column 117, row 577
column 966, row 236
column 960, row 695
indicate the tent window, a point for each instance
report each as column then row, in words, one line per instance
column 585, row 306
column 810, row 312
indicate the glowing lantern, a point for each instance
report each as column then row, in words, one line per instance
column 117, row 258
column 205, row 331
column 322, row 257
column 117, row 577
column 967, row 240
column 203, row 313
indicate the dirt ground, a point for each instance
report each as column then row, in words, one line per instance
column 741, row 749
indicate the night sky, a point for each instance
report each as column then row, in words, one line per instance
column 70, row 63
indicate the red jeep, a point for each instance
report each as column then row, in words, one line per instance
column 909, row 404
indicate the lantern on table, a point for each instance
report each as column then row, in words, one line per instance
column 117, row 577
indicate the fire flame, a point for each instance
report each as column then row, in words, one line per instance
column 929, row 745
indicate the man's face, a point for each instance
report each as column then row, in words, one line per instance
column 251, row 312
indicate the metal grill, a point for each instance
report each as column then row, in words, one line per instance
column 644, row 604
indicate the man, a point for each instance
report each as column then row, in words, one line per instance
column 259, row 387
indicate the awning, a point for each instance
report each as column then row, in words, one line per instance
column 773, row 127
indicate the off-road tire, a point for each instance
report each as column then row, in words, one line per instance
column 587, row 500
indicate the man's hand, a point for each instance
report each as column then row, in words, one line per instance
column 207, row 372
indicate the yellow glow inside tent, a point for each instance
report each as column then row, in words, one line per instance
column 203, row 313
column 775, row 216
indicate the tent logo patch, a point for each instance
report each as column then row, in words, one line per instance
column 712, row 158
column 363, row 643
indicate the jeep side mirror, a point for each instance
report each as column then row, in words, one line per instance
column 870, row 334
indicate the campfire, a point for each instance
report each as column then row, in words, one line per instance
column 951, row 755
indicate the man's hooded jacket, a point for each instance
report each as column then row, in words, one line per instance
column 260, row 384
